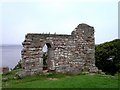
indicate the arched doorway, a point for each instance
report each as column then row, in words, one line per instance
column 48, row 55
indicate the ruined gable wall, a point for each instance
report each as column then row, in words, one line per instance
column 85, row 47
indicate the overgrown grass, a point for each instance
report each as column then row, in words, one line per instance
column 63, row 81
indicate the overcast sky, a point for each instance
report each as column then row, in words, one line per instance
column 19, row 17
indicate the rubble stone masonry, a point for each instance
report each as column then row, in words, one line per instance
column 66, row 53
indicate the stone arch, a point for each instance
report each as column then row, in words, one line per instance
column 49, row 42
column 50, row 55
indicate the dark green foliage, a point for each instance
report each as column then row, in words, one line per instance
column 45, row 58
column 18, row 66
column 107, row 56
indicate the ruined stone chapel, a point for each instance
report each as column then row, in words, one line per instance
column 66, row 53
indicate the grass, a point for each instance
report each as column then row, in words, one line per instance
column 0, row 81
column 54, row 80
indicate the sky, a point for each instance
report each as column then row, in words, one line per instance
column 119, row 19
column 19, row 17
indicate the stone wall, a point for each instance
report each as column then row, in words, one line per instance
column 4, row 70
column 66, row 53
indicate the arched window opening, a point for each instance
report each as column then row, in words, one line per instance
column 48, row 45
column 46, row 49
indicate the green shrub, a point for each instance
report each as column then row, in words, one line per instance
column 107, row 56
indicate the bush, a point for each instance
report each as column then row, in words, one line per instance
column 107, row 56
column 18, row 66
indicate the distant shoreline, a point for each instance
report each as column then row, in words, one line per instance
column 10, row 55
column 10, row 45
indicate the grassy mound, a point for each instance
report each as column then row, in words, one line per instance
column 55, row 80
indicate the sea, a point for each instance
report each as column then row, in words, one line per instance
column 10, row 55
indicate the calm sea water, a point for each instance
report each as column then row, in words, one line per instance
column 10, row 55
